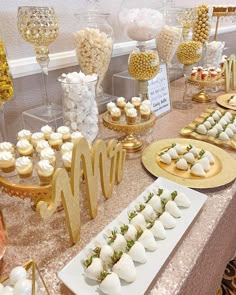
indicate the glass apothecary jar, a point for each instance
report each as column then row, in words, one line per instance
column 93, row 44
column 80, row 111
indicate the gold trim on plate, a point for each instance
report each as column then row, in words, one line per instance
column 224, row 173
column 223, row 100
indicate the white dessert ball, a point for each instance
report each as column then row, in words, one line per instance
column 23, row 287
column 1, row 287
column 7, row 291
column 17, row 274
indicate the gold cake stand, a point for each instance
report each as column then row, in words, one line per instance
column 130, row 142
column 202, row 96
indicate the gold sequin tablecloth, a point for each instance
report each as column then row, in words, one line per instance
column 195, row 267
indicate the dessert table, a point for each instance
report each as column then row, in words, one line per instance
column 198, row 261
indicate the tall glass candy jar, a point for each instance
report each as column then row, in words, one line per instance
column 93, row 44
column 6, row 87
column 141, row 22
column 80, row 111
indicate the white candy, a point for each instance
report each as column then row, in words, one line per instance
column 212, row 132
column 173, row 154
column 223, row 136
column 201, row 129
column 17, row 273
column 182, row 164
column 207, row 124
column 229, row 132
column 198, row 170
column 210, row 157
column 167, row 220
column 218, row 127
column 165, row 158
column 211, row 120
column 179, row 149
column 173, row 209
column 111, row 284
column 205, row 163
column 23, row 287
column 189, row 157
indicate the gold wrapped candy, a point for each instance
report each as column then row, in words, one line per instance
column 6, row 84
column 189, row 52
column 143, row 65
column 201, row 28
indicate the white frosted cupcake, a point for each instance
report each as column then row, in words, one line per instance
column 24, row 134
column 145, row 112
column 55, row 140
column 36, row 137
column 24, row 167
column 7, row 162
column 115, row 114
column 65, row 132
column 75, row 136
column 136, row 101
column 25, row 148
column 128, row 106
column 110, row 106
column 6, row 147
column 48, row 154
column 41, row 145
column 66, row 158
column 147, row 102
column 67, row 147
column 121, row 103
column 47, row 131
column 131, row 115
column 45, row 171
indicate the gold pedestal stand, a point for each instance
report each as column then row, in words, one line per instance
column 202, row 96
column 130, row 142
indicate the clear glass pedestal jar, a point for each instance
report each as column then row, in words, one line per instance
column 80, row 111
column 93, row 44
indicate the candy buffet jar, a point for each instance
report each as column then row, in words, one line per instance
column 141, row 22
column 80, row 112
column 93, row 44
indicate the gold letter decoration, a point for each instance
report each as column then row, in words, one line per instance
column 108, row 162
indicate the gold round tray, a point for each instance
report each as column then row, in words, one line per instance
column 223, row 100
column 130, row 142
column 34, row 192
column 223, row 172
column 202, row 96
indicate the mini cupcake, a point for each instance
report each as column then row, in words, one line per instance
column 67, row 147
column 25, row 148
column 128, row 106
column 136, row 101
column 115, row 114
column 147, row 102
column 47, row 131
column 7, row 162
column 24, row 134
column 110, row 106
column 45, row 171
column 199, row 73
column 36, row 137
column 65, row 132
column 48, row 154
column 66, row 158
column 204, row 75
column 131, row 115
column 55, row 140
column 194, row 75
column 213, row 75
column 24, row 167
column 6, row 147
column 75, row 136
column 145, row 112
column 219, row 74
column 41, row 145
column 121, row 103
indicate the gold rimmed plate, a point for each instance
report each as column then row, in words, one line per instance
column 223, row 100
column 222, row 172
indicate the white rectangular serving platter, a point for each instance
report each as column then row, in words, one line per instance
column 72, row 275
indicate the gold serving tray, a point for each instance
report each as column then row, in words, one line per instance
column 206, row 83
column 223, row 100
column 189, row 130
column 222, row 172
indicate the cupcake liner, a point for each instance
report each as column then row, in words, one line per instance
column 145, row 117
column 8, row 169
column 131, row 120
column 45, row 179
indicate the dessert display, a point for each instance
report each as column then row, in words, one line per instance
column 202, row 25
column 129, row 118
column 206, row 74
column 214, row 125
column 128, row 247
column 189, row 162
column 79, row 105
column 93, row 43
column 36, row 159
